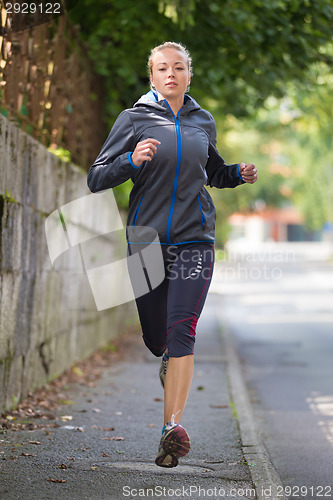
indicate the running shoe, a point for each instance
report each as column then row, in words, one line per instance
column 175, row 443
column 163, row 368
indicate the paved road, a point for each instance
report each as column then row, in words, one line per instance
column 279, row 310
column 107, row 450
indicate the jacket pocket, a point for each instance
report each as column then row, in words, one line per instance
column 203, row 220
column 137, row 212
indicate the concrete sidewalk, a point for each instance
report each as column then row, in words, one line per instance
column 82, row 460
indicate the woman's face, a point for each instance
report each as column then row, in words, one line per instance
column 170, row 73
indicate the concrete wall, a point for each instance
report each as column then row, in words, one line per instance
column 48, row 318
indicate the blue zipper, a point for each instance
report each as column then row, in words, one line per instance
column 175, row 184
column 203, row 220
column 137, row 212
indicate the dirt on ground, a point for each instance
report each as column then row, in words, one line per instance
column 38, row 409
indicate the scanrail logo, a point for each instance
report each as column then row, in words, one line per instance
column 85, row 245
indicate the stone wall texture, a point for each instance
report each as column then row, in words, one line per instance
column 48, row 318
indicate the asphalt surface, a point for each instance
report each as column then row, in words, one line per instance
column 282, row 324
column 129, row 398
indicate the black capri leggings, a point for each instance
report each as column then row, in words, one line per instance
column 170, row 312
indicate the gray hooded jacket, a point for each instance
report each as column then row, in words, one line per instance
column 168, row 193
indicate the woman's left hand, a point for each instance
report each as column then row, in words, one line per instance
column 248, row 172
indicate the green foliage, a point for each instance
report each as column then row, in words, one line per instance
column 179, row 11
column 8, row 197
column 243, row 52
column 247, row 57
column 109, row 348
column 290, row 140
column 122, row 193
column 62, row 153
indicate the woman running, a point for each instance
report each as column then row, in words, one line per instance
column 167, row 145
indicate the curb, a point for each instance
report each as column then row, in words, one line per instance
column 267, row 483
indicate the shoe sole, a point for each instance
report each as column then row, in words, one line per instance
column 176, row 444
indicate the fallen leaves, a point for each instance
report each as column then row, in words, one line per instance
column 66, row 418
column 37, row 410
column 67, row 402
column 27, row 417
column 114, row 438
column 49, row 407
column 51, row 480
column 78, row 371
column 72, row 428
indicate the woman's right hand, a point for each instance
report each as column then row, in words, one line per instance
column 144, row 151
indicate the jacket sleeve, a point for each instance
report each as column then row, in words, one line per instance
column 113, row 165
column 219, row 174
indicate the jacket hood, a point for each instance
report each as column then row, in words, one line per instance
column 151, row 99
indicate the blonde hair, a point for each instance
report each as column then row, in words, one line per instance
column 169, row 45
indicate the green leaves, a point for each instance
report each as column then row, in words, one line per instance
column 243, row 54
column 242, row 51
